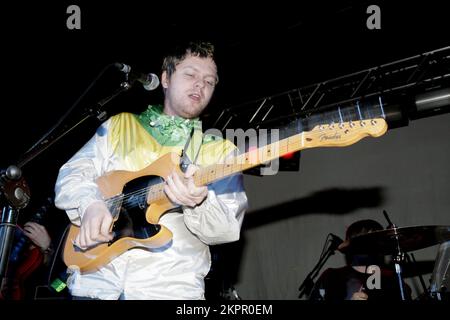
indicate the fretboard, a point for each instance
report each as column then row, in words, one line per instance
column 331, row 135
column 339, row 134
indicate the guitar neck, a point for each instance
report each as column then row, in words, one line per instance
column 328, row 130
column 330, row 135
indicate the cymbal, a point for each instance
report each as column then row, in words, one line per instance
column 385, row 241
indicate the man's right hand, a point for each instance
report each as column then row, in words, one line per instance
column 95, row 226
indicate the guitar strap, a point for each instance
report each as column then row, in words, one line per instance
column 191, row 149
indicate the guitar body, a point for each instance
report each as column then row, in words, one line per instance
column 136, row 217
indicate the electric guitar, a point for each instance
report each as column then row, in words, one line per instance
column 137, row 199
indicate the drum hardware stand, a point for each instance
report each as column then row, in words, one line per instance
column 15, row 192
column 398, row 257
column 411, row 259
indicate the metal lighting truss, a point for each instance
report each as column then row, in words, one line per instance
column 398, row 86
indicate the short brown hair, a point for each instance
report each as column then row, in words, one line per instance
column 200, row 49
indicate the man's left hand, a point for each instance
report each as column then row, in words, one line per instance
column 182, row 189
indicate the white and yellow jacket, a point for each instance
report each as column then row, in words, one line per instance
column 132, row 142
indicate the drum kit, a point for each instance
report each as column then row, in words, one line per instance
column 398, row 241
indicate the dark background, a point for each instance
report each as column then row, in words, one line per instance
column 263, row 49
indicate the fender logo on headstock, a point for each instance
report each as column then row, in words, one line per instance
column 325, row 137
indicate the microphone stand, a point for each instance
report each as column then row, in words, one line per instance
column 308, row 283
column 13, row 187
column 96, row 110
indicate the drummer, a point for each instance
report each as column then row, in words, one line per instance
column 365, row 276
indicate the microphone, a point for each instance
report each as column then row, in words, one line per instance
column 150, row 81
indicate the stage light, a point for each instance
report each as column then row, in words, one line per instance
column 431, row 103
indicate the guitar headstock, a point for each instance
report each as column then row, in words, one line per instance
column 344, row 133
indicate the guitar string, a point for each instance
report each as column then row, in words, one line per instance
column 158, row 187
column 157, row 193
column 158, row 190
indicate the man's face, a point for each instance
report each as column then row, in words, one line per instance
column 190, row 88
